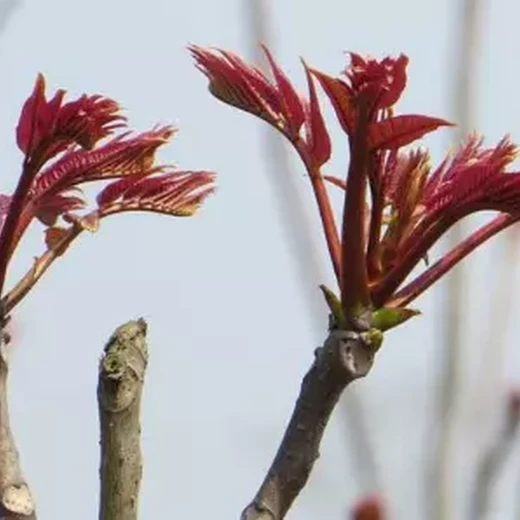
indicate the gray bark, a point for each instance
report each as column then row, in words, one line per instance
column 345, row 357
column 16, row 502
column 121, row 378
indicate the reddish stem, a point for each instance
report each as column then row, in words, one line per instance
column 12, row 219
column 443, row 265
column 376, row 220
column 17, row 202
column 354, row 282
column 15, row 295
column 414, row 249
column 417, row 245
column 325, row 209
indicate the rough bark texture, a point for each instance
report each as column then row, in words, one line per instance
column 345, row 356
column 16, row 502
column 121, row 377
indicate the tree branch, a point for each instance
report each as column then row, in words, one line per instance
column 121, row 378
column 345, row 357
column 16, row 502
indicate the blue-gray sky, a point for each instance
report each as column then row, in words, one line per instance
column 220, row 291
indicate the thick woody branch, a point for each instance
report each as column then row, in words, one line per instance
column 121, row 378
column 16, row 502
column 345, row 357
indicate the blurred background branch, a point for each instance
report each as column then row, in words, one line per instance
column 439, row 485
column 494, row 458
column 7, row 9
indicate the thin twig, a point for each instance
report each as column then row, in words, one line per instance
column 493, row 460
column 40, row 266
column 439, row 485
column 121, row 378
column 16, row 502
column 345, row 357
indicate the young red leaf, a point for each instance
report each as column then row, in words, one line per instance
column 399, row 131
column 234, row 82
column 118, row 157
column 38, row 117
column 378, row 83
column 89, row 119
column 340, row 96
column 113, row 191
column 291, row 103
column 317, row 139
column 256, row 80
column 474, row 177
column 50, row 208
column 175, row 193
column 50, row 127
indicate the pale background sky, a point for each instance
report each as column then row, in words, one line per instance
column 219, row 291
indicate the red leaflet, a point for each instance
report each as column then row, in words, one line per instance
column 175, row 193
column 89, row 119
column 48, row 127
column 50, row 208
column 399, row 131
column 238, row 84
column 318, row 140
column 291, row 103
column 121, row 156
column 38, row 117
column 340, row 96
column 474, row 177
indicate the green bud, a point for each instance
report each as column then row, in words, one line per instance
column 388, row 317
column 335, row 307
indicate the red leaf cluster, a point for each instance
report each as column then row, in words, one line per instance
column 396, row 207
column 69, row 144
